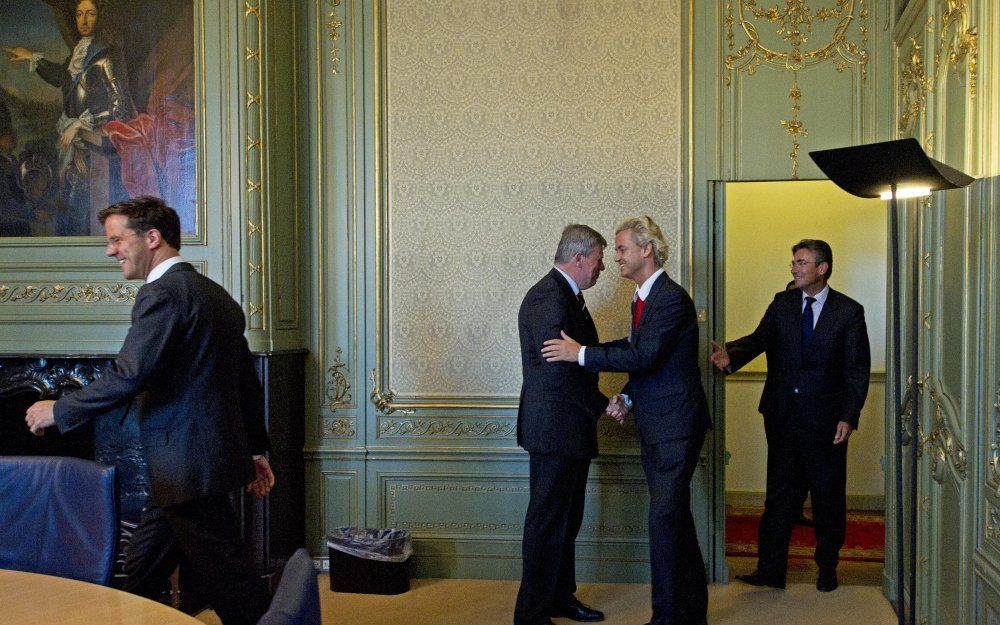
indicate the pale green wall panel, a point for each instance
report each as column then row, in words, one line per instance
column 946, row 108
column 785, row 95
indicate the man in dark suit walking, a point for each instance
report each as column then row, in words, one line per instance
column 671, row 413
column 818, row 365
column 186, row 369
column 557, row 425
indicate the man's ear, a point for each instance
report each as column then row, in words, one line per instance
column 823, row 268
column 154, row 238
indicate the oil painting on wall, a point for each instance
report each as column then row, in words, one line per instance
column 96, row 106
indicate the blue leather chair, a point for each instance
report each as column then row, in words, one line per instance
column 58, row 516
column 296, row 602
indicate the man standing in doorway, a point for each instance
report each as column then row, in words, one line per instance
column 557, row 426
column 186, row 369
column 671, row 413
column 818, row 365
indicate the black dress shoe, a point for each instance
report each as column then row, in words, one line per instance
column 760, row 579
column 827, row 581
column 574, row 610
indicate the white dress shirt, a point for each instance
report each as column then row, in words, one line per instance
column 818, row 304
column 158, row 271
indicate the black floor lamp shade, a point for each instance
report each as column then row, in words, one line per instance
column 870, row 170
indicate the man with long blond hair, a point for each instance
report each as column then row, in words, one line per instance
column 671, row 413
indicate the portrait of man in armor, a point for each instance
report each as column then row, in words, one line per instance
column 100, row 95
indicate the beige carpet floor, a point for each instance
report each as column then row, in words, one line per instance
column 485, row 602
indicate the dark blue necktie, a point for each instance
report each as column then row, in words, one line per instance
column 807, row 322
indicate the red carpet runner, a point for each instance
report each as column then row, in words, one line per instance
column 865, row 541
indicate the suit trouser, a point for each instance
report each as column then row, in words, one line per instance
column 801, row 461
column 679, row 584
column 555, row 512
column 206, row 534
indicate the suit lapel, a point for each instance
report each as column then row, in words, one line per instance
column 792, row 319
column 827, row 316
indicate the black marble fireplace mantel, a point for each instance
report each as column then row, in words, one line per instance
column 275, row 526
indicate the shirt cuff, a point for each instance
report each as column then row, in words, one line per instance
column 627, row 400
column 580, row 358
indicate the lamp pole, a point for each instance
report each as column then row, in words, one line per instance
column 914, row 350
column 897, row 403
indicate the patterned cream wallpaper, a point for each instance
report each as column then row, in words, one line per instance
column 505, row 122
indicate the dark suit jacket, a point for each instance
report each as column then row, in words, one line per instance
column 661, row 358
column 187, row 369
column 560, row 401
column 831, row 376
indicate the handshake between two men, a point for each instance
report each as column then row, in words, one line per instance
column 568, row 350
column 561, row 358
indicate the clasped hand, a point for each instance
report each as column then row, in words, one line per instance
column 617, row 409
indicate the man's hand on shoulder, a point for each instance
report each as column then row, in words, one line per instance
column 40, row 416
column 565, row 349
column 263, row 477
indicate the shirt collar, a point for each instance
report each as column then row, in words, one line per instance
column 572, row 283
column 820, row 297
column 158, row 271
column 647, row 286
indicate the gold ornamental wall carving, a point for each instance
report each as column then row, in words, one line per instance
column 459, row 428
column 992, row 522
column 914, row 85
column 957, row 48
column 333, row 28
column 254, row 162
column 795, row 23
column 942, row 444
column 338, row 387
column 958, row 42
column 383, row 401
column 610, row 430
column 115, row 293
column 340, row 428
column 995, row 445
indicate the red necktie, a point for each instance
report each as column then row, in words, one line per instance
column 638, row 313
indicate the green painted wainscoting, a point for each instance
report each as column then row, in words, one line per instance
column 947, row 78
